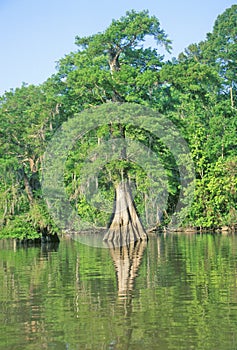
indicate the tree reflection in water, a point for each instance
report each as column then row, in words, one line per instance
column 127, row 260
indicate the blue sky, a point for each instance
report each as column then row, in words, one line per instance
column 35, row 34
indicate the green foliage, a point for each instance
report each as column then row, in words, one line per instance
column 197, row 92
column 215, row 202
column 27, row 118
column 114, row 65
column 219, row 51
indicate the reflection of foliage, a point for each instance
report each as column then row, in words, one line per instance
column 183, row 297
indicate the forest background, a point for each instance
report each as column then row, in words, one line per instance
column 195, row 91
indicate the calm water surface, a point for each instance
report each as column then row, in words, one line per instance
column 176, row 292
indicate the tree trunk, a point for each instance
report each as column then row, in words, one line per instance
column 28, row 188
column 125, row 226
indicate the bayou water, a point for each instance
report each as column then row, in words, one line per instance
column 175, row 292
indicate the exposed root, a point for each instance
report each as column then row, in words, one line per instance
column 126, row 226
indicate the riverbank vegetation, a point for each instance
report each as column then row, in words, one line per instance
column 196, row 91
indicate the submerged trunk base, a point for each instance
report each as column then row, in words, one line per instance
column 126, row 226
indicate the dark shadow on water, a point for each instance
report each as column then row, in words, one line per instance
column 44, row 248
column 49, row 247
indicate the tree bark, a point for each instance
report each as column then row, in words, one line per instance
column 126, row 226
column 114, row 59
column 28, row 188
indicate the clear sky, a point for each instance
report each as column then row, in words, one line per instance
column 37, row 33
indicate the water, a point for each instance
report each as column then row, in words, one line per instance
column 176, row 292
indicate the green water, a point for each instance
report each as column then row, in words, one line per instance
column 176, row 292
